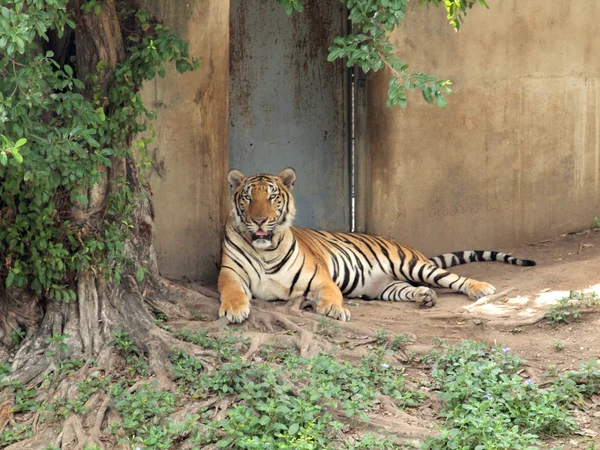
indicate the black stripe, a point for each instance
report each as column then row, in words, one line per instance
column 285, row 259
column 473, row 257
column 234, row 271
column 355, row 247
column 387, row 255
column 367, row 242
column 402, row 290
column 433, row 269
column 420, row 274
column 249, row 282
column 356, row 278
column 346, row 277
column 297, row 276
column 325, row 245
column 243, row 253
column 310, row 282
column 461, row 257
column 389, row 286
column 451, row 284
column 411, row 267
column 441, row 276
column 402, row 256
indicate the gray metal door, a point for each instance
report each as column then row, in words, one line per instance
column 288, row 106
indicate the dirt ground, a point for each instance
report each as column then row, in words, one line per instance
column 513, row 317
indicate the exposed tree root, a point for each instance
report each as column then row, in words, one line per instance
column 130, row 308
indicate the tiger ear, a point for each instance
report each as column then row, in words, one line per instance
column 288, row 178
column 235, row 178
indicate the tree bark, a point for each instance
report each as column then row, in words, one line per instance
column 101, row 306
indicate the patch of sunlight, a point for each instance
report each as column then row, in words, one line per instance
column 524, row 305
column 548, row 297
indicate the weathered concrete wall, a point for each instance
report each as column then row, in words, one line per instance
column 189, row 186
column 515, row 157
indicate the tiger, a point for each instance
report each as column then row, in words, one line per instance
column 265, row 256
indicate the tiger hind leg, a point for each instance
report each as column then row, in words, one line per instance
column 402, row 291
column 433, row 276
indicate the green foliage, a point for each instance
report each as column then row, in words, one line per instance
column 559, row 345
column 567, row 309
column 488, row 405
column 583, row 382
column 392, row 341
column 14, row 434
column 285, row 401
column 327, row 327
column 291, row 406
column 226, row 348
column 136, row 362
column 369, row 47
column 596, row 223
column 456, row 9
column 62, row 132
column 144, row 411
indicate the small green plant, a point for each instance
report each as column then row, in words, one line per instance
column 438, row 341
column 137, row 364
column 596, row 223
column 287, row 401
column 327, row 327
column 226, row 347
column 17, row 336
column 58, row 346
column 489, row 406
column 14, row 434
column 394, row 341
column 587, row 378
column 559, row 346
column 160, row 317
column 145, row 417
column 567, row 309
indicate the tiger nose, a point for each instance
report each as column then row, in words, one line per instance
column 259, row 220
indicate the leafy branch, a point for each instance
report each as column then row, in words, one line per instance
column 369, row 47
column 63, row 141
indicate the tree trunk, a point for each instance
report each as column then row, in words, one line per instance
column 101, row 306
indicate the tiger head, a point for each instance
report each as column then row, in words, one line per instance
column 262, row 206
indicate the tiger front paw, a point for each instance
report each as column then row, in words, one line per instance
column 337, row 312
column 425, row 297
column 235, row 309
column 478, row 289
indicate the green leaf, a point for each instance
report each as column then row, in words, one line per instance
column 294, row 428
column 140, row 274
column 264, row 420
column 440, row 100
column 3, row 158
column 68, row 70
column 10, row 279
column 224, row 442
column 20, row 143
column 182, row 65
column 78, row 83
column 17, row 156
column 100, row 112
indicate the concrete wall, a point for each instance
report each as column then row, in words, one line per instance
column 189, row 184
column 515, row 157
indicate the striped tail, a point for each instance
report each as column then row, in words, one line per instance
column 457, row 258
